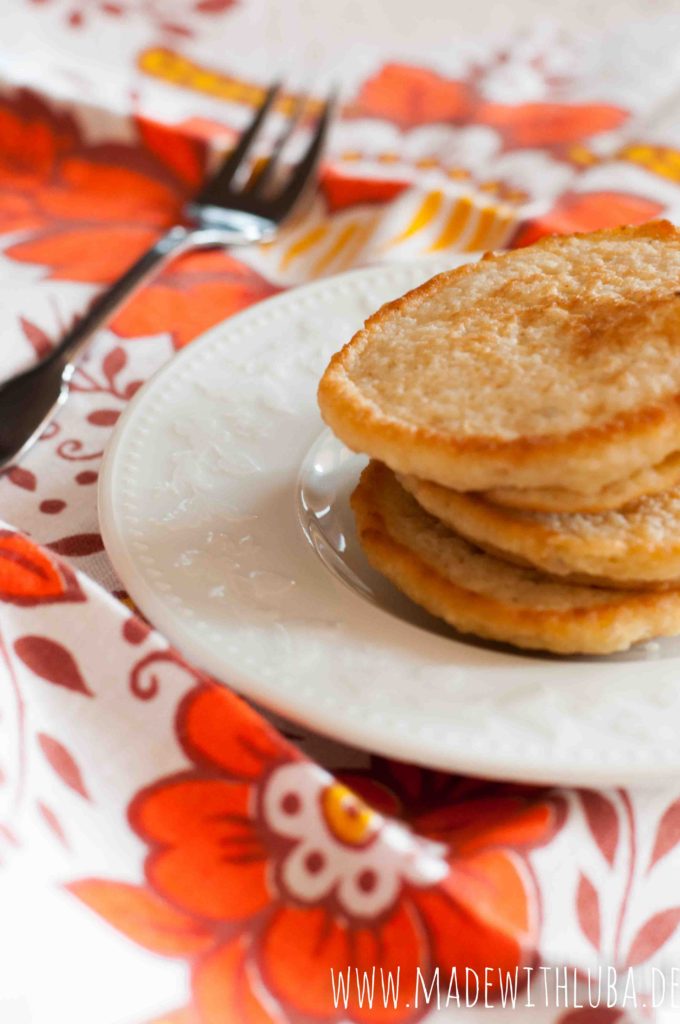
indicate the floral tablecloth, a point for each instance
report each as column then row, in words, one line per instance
column 169, row 854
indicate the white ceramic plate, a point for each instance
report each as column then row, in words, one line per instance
column 223, row 505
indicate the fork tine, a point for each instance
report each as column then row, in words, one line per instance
column 214, row 190
column 273, row 161
column 303, row 172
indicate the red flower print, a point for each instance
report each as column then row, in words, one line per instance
column 87, row 211
column 29, row 575
column 529, row 125
column 342, row 190
column 412, row 96
column 52, row 662
column 588, row 211
column 274, row 873
column 460, row 811
column 196, row 292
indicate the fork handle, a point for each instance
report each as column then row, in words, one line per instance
column 173, row 243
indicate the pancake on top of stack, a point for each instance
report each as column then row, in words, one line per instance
column 546, row 381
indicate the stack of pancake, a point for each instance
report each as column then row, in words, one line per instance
column 522, row 415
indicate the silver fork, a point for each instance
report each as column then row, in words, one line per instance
column 223, row 214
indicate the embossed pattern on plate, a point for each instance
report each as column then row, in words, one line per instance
column 199, row 512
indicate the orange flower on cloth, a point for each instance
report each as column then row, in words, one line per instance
column 410, row 96
column 195, row 292
column 463, row 812
column 342, row 189
column 268, row 874
column 588, row 211
column 30, row 576
column 87, row 210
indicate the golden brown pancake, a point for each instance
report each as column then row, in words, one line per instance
column 619, row 494
column 477, row 593
column 553, row 366
column 635, row 546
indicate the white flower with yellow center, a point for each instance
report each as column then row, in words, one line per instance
column 334, row 847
